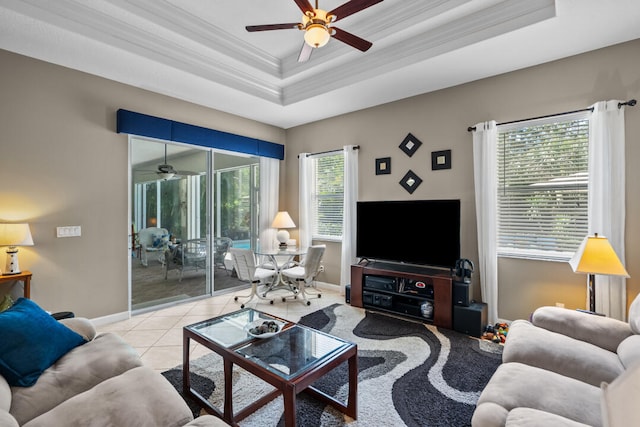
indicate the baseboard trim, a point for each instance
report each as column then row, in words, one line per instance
column 112, row 318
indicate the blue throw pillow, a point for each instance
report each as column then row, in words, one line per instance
column 160, row 241
column 31, row 341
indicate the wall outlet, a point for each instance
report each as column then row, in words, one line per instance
column 560, row 304
column 321, row 269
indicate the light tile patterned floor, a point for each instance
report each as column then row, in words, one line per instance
column 157, row 335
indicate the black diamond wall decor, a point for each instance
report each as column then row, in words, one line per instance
column 410, row 144
column 410, row 181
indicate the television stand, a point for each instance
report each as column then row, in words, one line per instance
column 404, row 289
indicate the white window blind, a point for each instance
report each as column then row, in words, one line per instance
column 327, row 197
column 543, row 187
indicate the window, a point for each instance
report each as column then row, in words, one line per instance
column 543, row 187
column 327, row 196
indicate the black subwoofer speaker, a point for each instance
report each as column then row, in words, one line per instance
column 347, row 294
column 470, row 320
column 461, row 293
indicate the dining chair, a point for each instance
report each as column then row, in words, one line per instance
column 244, row 262
column 303, row 276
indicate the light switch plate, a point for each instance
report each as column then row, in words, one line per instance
column 70, row 231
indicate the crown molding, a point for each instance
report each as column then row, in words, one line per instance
column 499, row 19
column 375, row 28
column 104, row 28
column 194, row 27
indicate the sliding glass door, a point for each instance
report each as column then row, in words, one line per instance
column 189, row 205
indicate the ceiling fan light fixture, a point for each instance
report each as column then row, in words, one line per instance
column 316, row 35
column 316, row 29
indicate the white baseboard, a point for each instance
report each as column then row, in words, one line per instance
column 112, row 318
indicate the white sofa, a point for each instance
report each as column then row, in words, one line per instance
column 557, row 368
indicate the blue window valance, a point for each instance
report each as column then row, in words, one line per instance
column 156, row 127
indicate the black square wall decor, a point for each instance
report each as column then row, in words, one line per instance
column 441, row 160
column 410, row 181
column 383, row 166
column 410, row 144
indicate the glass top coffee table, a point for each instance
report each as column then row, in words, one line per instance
column 290, row 361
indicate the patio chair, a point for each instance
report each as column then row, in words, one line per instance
column 221, row 246
column 303, row 276
column 189, row 254
column 244, row 262
column 153, row 239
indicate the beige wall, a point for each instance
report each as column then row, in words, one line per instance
column 62, row 163
column 440, row 121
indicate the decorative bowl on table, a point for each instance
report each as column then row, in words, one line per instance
column 264, row 328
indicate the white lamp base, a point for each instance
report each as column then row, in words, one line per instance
column 283, row 237
column 12, row 262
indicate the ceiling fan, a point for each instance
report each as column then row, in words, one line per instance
column 166, row 172
column 318, row 28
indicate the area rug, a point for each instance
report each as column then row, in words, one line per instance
column 410, row 374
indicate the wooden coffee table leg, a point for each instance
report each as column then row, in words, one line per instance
column 186, row 383
column 289, row 397
column 352, row 403
column 228, row 391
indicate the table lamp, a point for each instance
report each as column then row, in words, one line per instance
column 282, row 221
column 596, row 256
column 14, row 235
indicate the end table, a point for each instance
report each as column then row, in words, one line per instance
column 24, row 276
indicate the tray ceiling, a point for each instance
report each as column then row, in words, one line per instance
column 199, row 51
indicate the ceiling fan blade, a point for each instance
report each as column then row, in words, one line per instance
column 305, row 6
column 351, row 40
column 305, row 52
column 351, row 7
column 252, row 28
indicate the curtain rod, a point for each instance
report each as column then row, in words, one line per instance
column 630, row 103
column 355, row 147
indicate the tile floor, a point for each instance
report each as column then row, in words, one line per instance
column 157, row 335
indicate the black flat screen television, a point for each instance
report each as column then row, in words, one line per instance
column 423, row 232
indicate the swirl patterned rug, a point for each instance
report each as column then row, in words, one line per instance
column 410, row 374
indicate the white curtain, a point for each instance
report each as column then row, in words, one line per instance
column 269, row 195
column 607, row 198
column 349, row 215
column 304, row 199
column 485, row 140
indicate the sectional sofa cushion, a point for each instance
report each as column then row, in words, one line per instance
column 527, row 417
column 560, row 353
column 619, row 403
column 84, row 367
column 516, row 385
column 138, row 397
column 604, row 332
column 629, row 351
column 32, row 341
column 634, row 316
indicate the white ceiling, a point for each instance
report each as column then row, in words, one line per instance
column 199, row 51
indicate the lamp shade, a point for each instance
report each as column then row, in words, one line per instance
column 596, row 256
column 15, row 235
column 283, row 220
